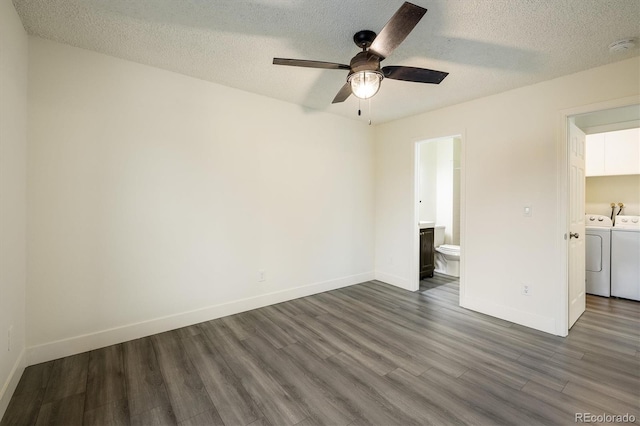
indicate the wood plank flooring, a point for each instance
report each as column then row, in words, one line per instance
column 369, row 354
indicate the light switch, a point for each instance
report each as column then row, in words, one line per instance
column 527, row 211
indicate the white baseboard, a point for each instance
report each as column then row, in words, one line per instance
column 10, row 385
column 78, row 344
column 394, row 280
column 538, row 322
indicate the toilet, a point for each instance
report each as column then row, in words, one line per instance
column 447, row 255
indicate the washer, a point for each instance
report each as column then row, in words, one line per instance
column 625, row 257
column 598, row 255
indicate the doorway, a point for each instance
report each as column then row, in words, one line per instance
column 439, row 207
column 614, row 115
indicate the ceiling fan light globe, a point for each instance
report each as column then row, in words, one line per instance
column 365, row 84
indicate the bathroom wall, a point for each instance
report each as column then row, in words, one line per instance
column 455, row 232
column 428, row 180
column 444, row 196
column 440, row 185
column 601, row 191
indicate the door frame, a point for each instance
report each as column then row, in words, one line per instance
column 414, row 264
column 563, row 197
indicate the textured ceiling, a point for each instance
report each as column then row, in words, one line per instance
column 487, row 46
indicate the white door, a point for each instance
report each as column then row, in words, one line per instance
column 577, row 285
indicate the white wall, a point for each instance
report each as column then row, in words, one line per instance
column 13, row 152
column 509, row 160
column 155, row 198
column 601, row 191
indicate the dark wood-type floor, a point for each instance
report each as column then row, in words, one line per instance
column 368, row 354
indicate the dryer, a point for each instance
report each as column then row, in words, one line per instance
column 625, row 257
column 598, row 254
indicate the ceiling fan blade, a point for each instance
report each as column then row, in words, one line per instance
column 343, row 94
column 418, row 75
column 397, row 29
column 310, row 64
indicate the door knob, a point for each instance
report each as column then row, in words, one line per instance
column 574, row 235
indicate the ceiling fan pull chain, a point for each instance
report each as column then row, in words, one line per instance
column 359, row 108
column 369, row 111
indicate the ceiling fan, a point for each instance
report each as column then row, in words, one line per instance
column 364, row 69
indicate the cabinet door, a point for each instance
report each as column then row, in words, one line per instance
column 594, row 159
column 427, row 258
column 622, row 152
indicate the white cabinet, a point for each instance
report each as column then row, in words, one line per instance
column 613, row 153
column 622, row 152
column 594, row 158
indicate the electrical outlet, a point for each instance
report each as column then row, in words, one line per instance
column 262, row 275
column 9, row 338
column 526, row 290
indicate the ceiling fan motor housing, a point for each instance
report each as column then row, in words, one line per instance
column 365, row 61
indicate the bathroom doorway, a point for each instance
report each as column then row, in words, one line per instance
column 438, row 217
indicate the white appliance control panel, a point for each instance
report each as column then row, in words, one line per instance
column 628, row 222
column 597, row 220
